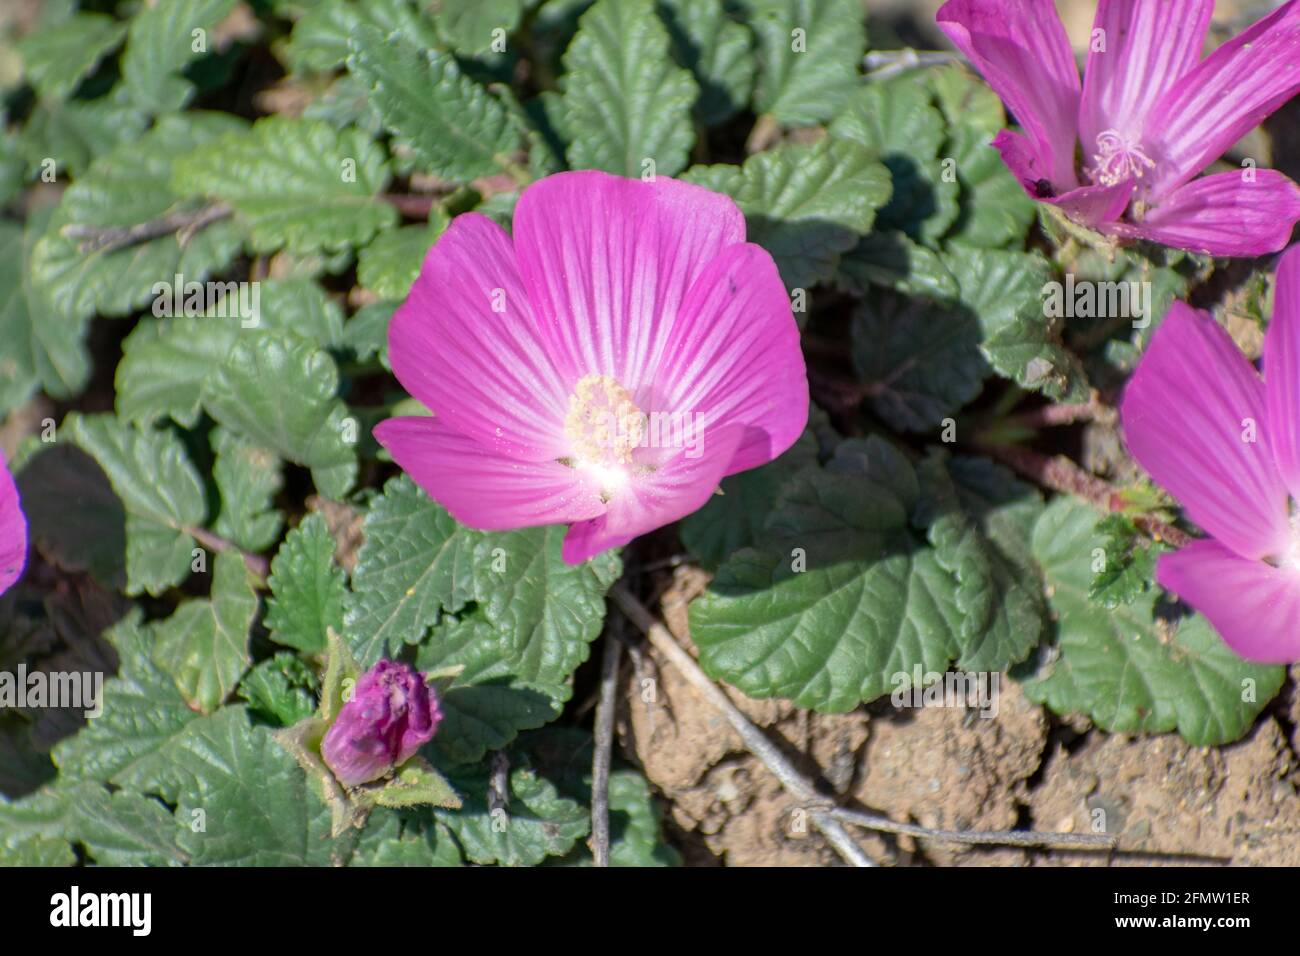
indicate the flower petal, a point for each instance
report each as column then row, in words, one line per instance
column 1282, row 371
column 680, row 486
column 1254, row 606
column 481, row 488
column 1149, row 45
column 1223, row 215
column 1187, row 413
column 734, row 357
column 466, row 344
column 1226, row 96
column 607, row 262
column 1020, row 48
column 1091, row 206
column 13, row 531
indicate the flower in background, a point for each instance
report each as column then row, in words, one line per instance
column 391, row 714
column 1151, row 115
column 13, row 531
column 605, row 368
column 1227, row 445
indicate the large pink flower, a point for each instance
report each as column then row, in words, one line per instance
column 604, row 369
column 1227, row 445
column 13, row 531
column 1151, row 115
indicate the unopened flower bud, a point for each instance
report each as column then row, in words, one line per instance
column 391, row 714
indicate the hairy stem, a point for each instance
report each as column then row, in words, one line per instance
column 1060, row 474
column 111, row 238
column 254, row 562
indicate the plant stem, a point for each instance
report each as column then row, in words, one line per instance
column 1049, row 415
column 604, row 745
column 412, row 205
column 794, row 782
column 112, row 238
column 1060, row 474
column 254, row 562
column 871, row 821
column 886, row 63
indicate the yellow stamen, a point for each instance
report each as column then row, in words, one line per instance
column 604, row 424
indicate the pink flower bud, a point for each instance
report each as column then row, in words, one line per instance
column 391, row 713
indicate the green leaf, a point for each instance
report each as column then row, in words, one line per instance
column 160, row 43
column 36, row 851
column 1130, row 670
column 248, row 479
column 307, row 588
column 127, row 187
column 805, row 204
column 637, row 840
column 366, row 333
column 1005, row 289
column 980, row 535
column 469, row 28
column 252, row 797
column 416, row 562
column 416, row 846
column 455, row 128
column 530, row 824
column 895, row 261
column 123, row 828
column 55, row 58
column 298, row 184
column 718, row 52
column 300, row 307
column 550, row 611
column 734, row 519
column 919, row 361
column 68, row 135
column 488, row 702
column 625, row 100
column 38, row 347
column 414, row 784
column 13, row 170
column 33, row 830
column 966, row 101
column 160, row 490
column 204, row 645
column 280, row 689
column 564, row 756
column 389, row 265
column 841, row 601
column 320, row 37
column 281, row 394
column 167, row 364
column 143, row 711
column 994, row 208
column 1129, row 565
column 897, row 123
column 806, row 77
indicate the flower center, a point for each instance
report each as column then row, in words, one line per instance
column 1291, row 559
column 604, row 425
column 1117, row 159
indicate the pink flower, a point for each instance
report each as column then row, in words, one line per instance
column 392, row 713
column 13, row 531
column 1226, row 445
column 1151, row 115
column 604, row 369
